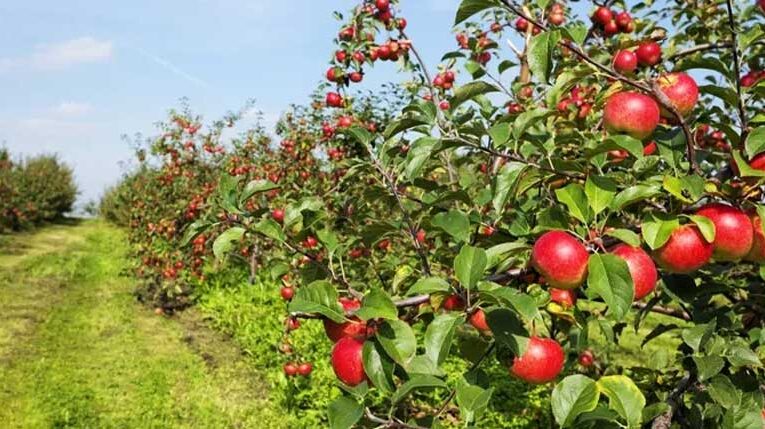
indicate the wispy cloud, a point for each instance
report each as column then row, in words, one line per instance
column 171, row 67
column 72, row 108
column 61, row 55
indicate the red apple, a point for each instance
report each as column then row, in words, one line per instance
column 478, row 320
column 586, row 359
column 290, row 369
column 453, row 302
column 641, row 266
column 681, row 90
column 624, row 21
column 541, row 363
column 603, row 15
column 334, row 99
column 632, row 113
column 287, row 293
column 734, row 234
column 648, row 54
column 564, row 298
column 561, row 259
column 757, row 254
column 685, row 252
column 347, row 361
column 278, row 215
column 625, row 61
column 354, row 327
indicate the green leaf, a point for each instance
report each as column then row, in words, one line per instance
column 609, row 277
column 739, row 355
column 422, row 364
column 360, row 134
column 527, row 119
column 576, row 32
column 472, row 399
column 755, row 142
column 344, row 412
column 504, row 183
column 420, row 151
column 708, row 366
column 225, row 242
column 706, row 227
column 508, row 329
column 500, row 133
column 378, row 366
column 540, row 53
column 469, row 266
column 626, row 236
column 624, row 398
column 318, row 297
column 725, row 94
column 744, row 168
column 497, row 254
column 697, row 336
column 454, row 222
column 600, row 192
column 377, row 305
column 623, row 141
column 439, row 336
column 428, row 285
column 270, row 228
column 328, row 239
column 415, row 383
column 722, row 391
column 574, row 395
column 634, row 194
column 193, row 230
column 656, row 231
column 574, row 197
column 402, row 273
column 398, row 340
column 469, row 91
column 469, row 8
column 403, row 124
column 524, row 304
column 254, row 187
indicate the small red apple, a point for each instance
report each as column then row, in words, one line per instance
column 625, row 61
column 563, row 297
column 347, row 361
column 478, row 320
column 290, row 369
column 632, row 113
column 681, row 90
column 734, row 234
column 648, row 54
column 305, row 369
column 354, row 327
column 541, row 363
column 641, row 267
column 586, row 359
column 603, row 15
column 287, row 293
column 561, row 259
column 685, row 252
column 453, row 302
column 334, row 99
column 278, row 215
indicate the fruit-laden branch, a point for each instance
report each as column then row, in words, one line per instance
column 652, row 89
column 664, row 421
column 591, row 30
column 737, row 71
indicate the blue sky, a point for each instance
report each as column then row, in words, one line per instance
column 76, row 75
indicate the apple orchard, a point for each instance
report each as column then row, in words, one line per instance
column 557, row 177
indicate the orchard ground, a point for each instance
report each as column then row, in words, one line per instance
column 77, row 350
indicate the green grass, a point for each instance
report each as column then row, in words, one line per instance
column 77, row 351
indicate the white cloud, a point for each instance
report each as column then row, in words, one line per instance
column 57, row 56
column 72, row 108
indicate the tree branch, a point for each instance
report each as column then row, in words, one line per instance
column 664, row 421
column 737, row 71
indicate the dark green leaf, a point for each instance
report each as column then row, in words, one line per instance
column 573, row 396
column 469, row 266
column 344, row 412
column 610, row 278
column 439, row 336
column 377, row 305
column 318, row 297
column 225, row 242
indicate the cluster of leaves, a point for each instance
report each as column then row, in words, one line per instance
column 34, row 190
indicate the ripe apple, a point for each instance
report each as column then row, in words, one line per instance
column 685, row 252
column 287, row 293
column 382, row 5
column 603, row 15
column 561, row 259
column 632, row 113
column 310, row 242
column 641, row 266
column 290, row 369
column 734, row 234
column 478, row 320
column 278, row 215
column 521, row 25
column 624, row 21
column 355, row 327
column 453, row 302
column 681, row 90
column 648, row 54
column 444, row 105
column 305, row 369
column 563, row 297
column 334, row 99
column 611, row 28
column 347, row 361
column 541, row 363
column 420, row 236
column 757, row 254
column 586, row 359
column 625, row 61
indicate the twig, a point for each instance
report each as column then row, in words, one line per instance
column 677, row 313
column 698, row 48
column 737, row 71
column 664, row 421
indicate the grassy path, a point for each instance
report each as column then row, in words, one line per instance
column 76, row 351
